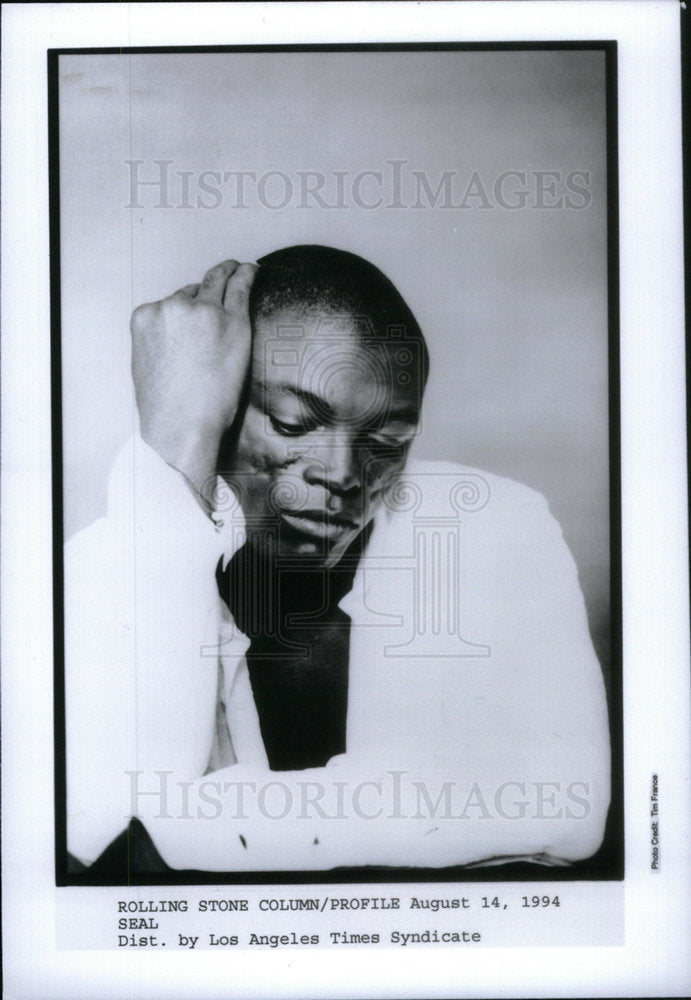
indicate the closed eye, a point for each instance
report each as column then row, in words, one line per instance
column 288, row 429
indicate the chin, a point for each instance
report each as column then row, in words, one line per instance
column 314, row 550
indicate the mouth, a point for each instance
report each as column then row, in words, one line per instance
column 318, row 524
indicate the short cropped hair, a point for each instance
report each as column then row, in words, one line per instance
column 323, row 279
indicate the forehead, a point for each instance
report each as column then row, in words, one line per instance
column 335, row 357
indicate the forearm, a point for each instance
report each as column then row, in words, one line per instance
column 355, row 815
column 141, row 657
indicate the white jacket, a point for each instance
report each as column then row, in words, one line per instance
column 477, row 724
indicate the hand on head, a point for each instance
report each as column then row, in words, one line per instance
column 333, row 363
column 190, row 358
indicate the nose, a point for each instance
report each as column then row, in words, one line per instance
column 335, row 466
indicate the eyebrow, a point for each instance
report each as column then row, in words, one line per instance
column 404, row 414
column 310, row 399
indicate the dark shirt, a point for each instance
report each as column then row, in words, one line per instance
column 298, row 653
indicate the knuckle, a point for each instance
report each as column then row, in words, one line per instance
column 205, row 311
column 141, row 317
column 245, row 274
column 218, row 271
column 175, row 305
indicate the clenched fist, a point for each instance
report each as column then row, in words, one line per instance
column 190, row 358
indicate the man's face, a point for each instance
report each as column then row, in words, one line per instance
column 327, row 427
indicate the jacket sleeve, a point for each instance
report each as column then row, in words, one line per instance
column 143, row 642
column 550, row 699
column 538, row 740
column 516, row 723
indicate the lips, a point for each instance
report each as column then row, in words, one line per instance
column 318, row 524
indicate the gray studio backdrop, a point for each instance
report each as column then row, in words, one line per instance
column 476, row 180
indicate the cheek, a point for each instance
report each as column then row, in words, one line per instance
column 261, row 467
column 381, row 473
column 258, row 449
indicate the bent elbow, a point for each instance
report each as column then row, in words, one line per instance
column 582, row 831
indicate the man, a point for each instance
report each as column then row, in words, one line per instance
column 273, row 590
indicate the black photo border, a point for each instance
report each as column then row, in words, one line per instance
column 608, row 863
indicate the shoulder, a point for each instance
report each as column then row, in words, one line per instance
column 510, row 545
column 469, row 490
column 499, row 520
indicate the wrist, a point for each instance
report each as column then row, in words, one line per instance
column 194, row 454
